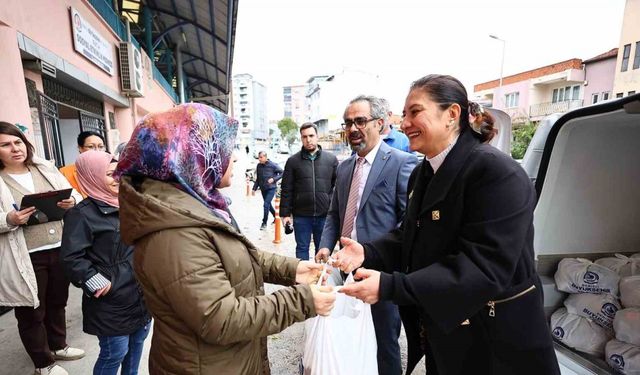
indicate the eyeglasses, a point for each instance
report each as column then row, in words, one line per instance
column 360, row 122
column 94, row 147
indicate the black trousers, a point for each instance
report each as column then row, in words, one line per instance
column 44, row 329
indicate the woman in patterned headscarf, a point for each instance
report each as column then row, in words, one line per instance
column 202, row 279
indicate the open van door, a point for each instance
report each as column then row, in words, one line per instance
column 588, row 186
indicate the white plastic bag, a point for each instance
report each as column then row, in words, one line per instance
column 345, row 341
column 579, row 333
column 600, row 308
column 623, row 357
column 577, row 275
column 630, row 291
column 627, row 326
column 613, row 263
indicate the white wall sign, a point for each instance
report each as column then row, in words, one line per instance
column 90, row 44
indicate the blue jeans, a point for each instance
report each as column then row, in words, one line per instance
column 268, row 195
column 121, row 350
column 303, row 227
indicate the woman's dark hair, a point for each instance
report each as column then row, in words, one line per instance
column 86, row 134
column 10, row 129
column 447, row 90
column 484, row 122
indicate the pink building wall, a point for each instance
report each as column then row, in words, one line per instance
column 14, row 104
column 600, row 76
column 523, row 101
column 48, row 23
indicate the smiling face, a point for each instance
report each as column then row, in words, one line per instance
column 429, row 128
column 13, row 151
column 111, row 183
column 362, row 140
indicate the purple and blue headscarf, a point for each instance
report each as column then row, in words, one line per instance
column 189, row 145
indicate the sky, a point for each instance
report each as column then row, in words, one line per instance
column 284, row 42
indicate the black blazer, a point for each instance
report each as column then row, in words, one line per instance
column 467, row 239
column 90, row 244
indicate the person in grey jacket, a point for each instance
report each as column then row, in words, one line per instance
column 307, row 185
column 267, row 174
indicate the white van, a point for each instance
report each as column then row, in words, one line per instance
column 587, row 176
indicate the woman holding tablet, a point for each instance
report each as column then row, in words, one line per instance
column 31, row 277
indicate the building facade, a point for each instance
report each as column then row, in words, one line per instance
column 536, row 93
column 250, row 109
column 599, row 73
column 74, row 65
column 627, row 72
column 295, row 103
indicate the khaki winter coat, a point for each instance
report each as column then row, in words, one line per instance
column 203, row 283
column 18, row 285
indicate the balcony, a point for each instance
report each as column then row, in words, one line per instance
column 543, row 109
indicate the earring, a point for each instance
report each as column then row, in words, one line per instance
column 450, row 123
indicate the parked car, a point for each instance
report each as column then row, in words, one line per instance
column 586, row 165
column 283, row 149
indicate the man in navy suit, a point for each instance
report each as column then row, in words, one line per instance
column 369, row 200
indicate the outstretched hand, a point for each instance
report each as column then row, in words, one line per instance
column 350, row 257
column 366, row 290
column 308, row 272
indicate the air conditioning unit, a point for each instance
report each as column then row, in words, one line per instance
column 131, row 72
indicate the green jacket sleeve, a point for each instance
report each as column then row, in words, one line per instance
column 278, row 269
column 188, row 274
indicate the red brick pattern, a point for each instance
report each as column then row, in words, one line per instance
column 530, row 74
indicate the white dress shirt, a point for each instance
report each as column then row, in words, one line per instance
column 437, row 160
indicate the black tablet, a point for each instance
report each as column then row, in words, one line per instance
column 46, row 205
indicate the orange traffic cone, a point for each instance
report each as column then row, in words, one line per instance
column 278, row 227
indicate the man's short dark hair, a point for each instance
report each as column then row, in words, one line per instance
column 308, row 125
column 262, row 153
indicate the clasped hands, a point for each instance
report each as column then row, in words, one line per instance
column 367, row 286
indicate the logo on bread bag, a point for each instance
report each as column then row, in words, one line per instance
column 609, row 310
column 591, row 277
column 617, row 361
column 558, row 332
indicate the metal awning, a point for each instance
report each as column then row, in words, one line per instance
column 204, row 30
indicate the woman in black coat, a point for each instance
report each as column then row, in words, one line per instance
column 461, row 267
column 96, row 260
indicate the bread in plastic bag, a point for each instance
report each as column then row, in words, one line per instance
column 345, row 341
column 630, row 291
column 623, row 357
column 600, row 308
column 577, row 275
column 627, row 325
column 613, row 263
column 630, row 269
column 579, row 333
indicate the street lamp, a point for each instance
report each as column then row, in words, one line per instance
column 504, row 46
